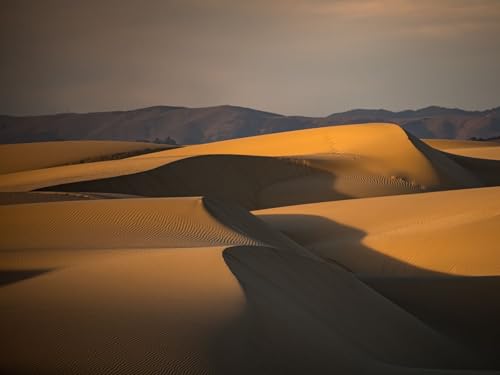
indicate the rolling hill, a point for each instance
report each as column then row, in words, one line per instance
column 201, row 125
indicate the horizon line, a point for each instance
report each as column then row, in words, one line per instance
column 178, row 107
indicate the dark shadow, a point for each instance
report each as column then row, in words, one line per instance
column 487, row 170
column 233, row 178
column 305, row 229
column 466, row 309
column 446, row 167
column 305, row 316
column 10, row 277
column 257, row 182
column 253, row 182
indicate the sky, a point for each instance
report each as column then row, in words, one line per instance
column 307, row 57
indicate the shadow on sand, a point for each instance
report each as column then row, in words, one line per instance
column 13, row 276
column 303, row 316
column 464, row 309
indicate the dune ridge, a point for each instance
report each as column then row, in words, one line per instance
column 28, row 156
column 7, row 198
column 132, row 223
column 274, row 170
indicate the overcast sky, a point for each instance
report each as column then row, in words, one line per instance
column 310, row 57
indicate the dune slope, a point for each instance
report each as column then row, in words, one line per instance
column 132, row 223
column 27, row 156
column 434, row 254
column 440, row 232
column 249, row 181
column 109, row 277
column 452, row 144
column 272, row 170
column 491, row 153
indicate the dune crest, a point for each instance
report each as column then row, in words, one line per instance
column 297, row 167
column 134, row 224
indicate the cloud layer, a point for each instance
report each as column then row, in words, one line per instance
column 291, row 56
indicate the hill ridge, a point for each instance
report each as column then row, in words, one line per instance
column 214, row 123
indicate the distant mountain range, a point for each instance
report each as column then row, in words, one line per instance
column 199, row 125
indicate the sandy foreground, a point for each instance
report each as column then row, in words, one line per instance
column 347, row 249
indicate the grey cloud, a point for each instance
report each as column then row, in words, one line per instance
column 309, row 57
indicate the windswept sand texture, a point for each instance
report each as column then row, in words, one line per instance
column 153, row 264
column 29, row 156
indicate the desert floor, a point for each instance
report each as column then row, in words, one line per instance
column 345, row 249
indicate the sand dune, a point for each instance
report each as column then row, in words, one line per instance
column 272, row 170
column 39, row 178
column 250, row 181
column 492, row 153
column 132, row 223
column 101, row 283
column 434, row 254
column 451, row 144
column 132, row 312
column 7, row 198
column 441, row 232
column 27, row 156
column 152, row 264
column 473, row 149
column 120, row 312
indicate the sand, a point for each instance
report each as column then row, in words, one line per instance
column 7, row 198
column 28, row 156
column 368, row 252
column 473, row 149
column 450, row 144
column 434, row 254
column 492, row 153
column 273, row 170
column 174, row 278
column 430, row 233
